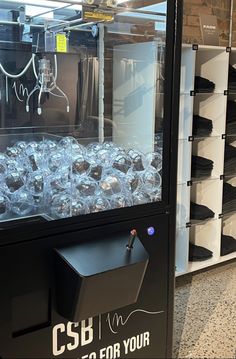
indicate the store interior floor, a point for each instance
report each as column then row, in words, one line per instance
column 205, row 314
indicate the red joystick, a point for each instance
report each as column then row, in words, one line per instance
column 133, row 235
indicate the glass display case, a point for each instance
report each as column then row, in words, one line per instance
column 81, row 107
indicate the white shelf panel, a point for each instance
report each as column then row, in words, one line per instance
column 214, row 93
column 188, row 60
column 178, row 272
column 208, row 236
column 184, row 166
column 183, row 204
column 204, row 193
column 187, row 46
column 202, row 138
column 213, row 108
column 181, row 254
column 203, row 222
column 213, row 65
column 228, row 257
column 196, row 180
column 212, row 149
column 185, row 116
column 195, row 266
column 188, row 93
column 206, row 47
column 211, row 47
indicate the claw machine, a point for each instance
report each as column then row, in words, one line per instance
column 88, row 151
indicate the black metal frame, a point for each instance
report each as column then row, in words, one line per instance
column 30, row 232
column 176, row 66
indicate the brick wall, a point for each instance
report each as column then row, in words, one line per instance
column 191, row 20
column 234, row 25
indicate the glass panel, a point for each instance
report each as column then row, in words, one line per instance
column 81, row 107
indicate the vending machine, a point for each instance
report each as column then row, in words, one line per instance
column 88, row 152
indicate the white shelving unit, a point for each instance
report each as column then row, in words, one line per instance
column 212, row 63
column 213, row 107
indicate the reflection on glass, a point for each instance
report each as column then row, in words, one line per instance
column 81, row 128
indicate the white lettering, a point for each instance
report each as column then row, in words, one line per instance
column 210, row 27
column 126, row 343
column 58, row 328
column 102, row 353
column 86, row 332
column 116, row 350
column 139, row 343
column 92, row 355
column 89, row 356
column 73, row 335
column 85, row 337
column 136, row 343
column 76, row 338
column 146, row 341
column 110, row 352
column 132, row 344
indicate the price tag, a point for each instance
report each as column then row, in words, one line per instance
column 61, row 43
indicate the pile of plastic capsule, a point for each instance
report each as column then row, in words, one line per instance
column 64, row 178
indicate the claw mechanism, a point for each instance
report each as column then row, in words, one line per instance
column 46, row 81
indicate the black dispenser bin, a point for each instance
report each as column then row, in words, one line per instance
column 96, row 277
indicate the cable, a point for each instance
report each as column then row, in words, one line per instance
column 39, row 110
column 55, row 70
column 34, row 68
column 66, row 98
column 18, row 75
column 7, row 91
column 28, row 98
column 54, row 94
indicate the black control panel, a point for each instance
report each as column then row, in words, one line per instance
column 30, row 323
